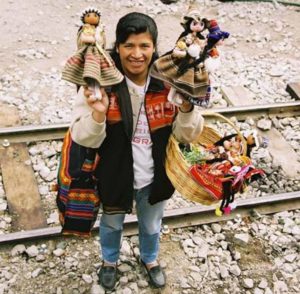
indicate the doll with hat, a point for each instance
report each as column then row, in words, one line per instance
column 91, row 65
column 184, row 66
column 215, row 38
column 173, row 67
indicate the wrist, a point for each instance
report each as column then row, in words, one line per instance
column 99, row 117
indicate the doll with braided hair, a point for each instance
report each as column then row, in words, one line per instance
column 91, row 65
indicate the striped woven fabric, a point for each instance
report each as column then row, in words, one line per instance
column 88, row 63
column 77, row 199
column 194, row 82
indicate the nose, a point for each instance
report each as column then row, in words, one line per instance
column 137, row 52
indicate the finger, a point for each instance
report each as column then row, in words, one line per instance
column 103, row 92
column 105, row 99
column 87, row 93
column 91, row 99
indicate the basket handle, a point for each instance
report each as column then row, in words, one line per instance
column 214, row 114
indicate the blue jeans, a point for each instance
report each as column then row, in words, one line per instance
column 149, row 222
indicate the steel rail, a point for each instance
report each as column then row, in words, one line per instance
column 181, row 217
column 21, row 134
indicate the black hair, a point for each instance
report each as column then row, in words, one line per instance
column 188, row 28
column 89, row 10
column 134, row 23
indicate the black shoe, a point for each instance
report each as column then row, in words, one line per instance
column 156, row 275
column 108, row 277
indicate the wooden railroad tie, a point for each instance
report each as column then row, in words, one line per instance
column 19, row 181
column 278, row 147
column 238, row 96
column 294, row 90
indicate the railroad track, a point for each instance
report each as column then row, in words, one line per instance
column 184, row 217
column 23, row 134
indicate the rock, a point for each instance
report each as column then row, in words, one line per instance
column 264, row 124
column 40, row 258
column 96, row 289
column 53, row 218
column 126, row 249
column 198, row 240
column 32, row 251
column 194, row 268
column 202, row 252
column 36, row 272
column 235, row 270
column 58, row 252
column 290, row 257
column 18, row 249
column 280, row 287
column 123, row 281
column 295, row 230
column 276, row 72
column 216, row 228
column 3, row 207
column 258, row 291
column 142, row 284
column 134, row 287
column 61, row 245
column 247, row 283
column 124, row 268
column 223, row 272
column 241, row 239
column 188, row 243
column 87, row 278
column 126, row 291
column 45, row 172
column 263, row 284
column 196, row 276
column 268, row 291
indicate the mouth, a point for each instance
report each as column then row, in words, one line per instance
column 136, row 63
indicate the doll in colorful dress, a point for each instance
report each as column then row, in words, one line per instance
column 91, row 65
column 184, row 67
column 173, row 67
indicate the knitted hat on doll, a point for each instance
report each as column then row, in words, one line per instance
column 192, row 13
column 215, row 31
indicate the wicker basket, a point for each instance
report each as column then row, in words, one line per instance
column 177, row 167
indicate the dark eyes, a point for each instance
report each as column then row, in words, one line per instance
column 143, row 45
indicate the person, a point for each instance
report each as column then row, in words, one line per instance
column 130, row 127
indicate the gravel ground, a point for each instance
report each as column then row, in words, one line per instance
column 248, row 255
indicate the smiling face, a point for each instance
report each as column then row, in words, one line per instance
column 135, row 55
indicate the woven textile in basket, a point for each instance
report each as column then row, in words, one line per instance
column 179, row 170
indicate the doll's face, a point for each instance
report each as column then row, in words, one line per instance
column 227, row 144
column 197, row 26
column 91, row 18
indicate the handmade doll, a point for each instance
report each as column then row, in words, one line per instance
column 174, row 66
column 215, row 38
column 228, row 169
column 91, row 65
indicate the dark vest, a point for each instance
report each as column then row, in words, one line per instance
column 115, row 168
